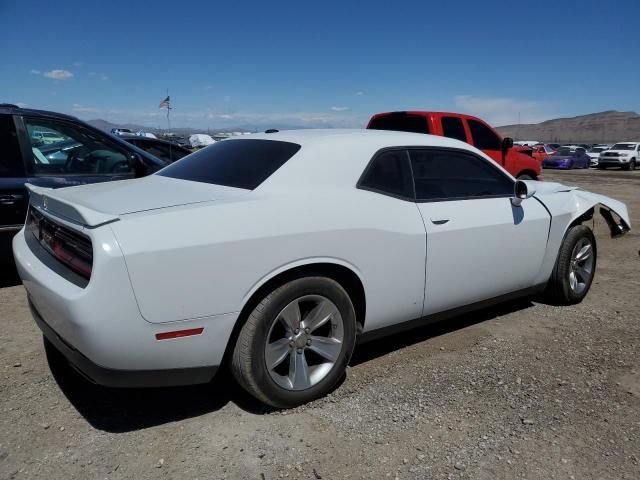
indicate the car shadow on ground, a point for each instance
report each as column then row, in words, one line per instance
column 377, row 348
column 124, row 410
column 8, row 274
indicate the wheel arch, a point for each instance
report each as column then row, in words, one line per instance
column 342, row 272
column 530, row 173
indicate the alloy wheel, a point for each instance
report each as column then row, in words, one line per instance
column 581, row 269
column 304, row 342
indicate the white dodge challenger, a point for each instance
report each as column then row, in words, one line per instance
column 274, row 254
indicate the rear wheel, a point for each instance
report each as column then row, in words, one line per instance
column 575, row 267
column 631, row 165
column 297, row 342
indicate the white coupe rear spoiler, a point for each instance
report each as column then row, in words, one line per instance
column 47, row 200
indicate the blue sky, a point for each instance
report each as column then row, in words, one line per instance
column 319, row 63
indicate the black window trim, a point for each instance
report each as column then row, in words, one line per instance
column 407, row 149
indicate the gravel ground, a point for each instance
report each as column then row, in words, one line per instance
column 523, row 390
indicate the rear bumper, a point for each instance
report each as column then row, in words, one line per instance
column 99, row 329
column 110, row 377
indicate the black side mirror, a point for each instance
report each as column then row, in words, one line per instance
column 507, row 143
column 521, row 191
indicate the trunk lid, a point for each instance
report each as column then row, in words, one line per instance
column 97, row 204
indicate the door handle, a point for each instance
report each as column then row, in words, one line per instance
column 439, row 221
column 10, row 199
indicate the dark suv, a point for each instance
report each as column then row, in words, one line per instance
column 55, row 150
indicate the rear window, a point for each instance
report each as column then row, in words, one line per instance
column 400, row 122
column 233, row 163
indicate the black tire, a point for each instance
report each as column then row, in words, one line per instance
column 632, row 164
column 248, row 364
column 525, row 176
column 559, row 289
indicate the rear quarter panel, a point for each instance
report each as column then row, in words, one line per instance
column 207, row 259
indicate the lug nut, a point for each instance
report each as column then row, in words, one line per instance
column 296, row 331
column 309, row 342
column 291, row 344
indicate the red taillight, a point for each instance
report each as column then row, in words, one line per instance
column 68, row 246
column 66, row 257
column 179, row 333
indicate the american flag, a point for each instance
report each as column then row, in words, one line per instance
column 164, row 103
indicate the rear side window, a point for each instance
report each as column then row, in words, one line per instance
column 233, row 163
column 389, row 173
column 451, row 174
column 452, row 127
column 400, row 122
column 11, row 164
column 483, row 137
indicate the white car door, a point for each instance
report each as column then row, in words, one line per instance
column 479, row 245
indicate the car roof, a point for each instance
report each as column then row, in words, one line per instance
column 9, row 109
column 336, row 158
column 356, row 136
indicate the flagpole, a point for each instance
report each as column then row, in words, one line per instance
column 168, row 110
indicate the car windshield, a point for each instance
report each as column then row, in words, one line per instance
column 233, row 163
column 624, row 146
column 597, row 149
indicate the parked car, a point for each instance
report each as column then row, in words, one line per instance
column 461, row 127
column 122, row 131
column 554, row 146
column 81, row 154
column 566, row 159
column 527, row 143
column 541, row 152
column 595, row 151
column 162, row 149
column 624, row 155
column 289, row 247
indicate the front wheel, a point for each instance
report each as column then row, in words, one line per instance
column 297, row 342
column 524, row 176
column 575, row 267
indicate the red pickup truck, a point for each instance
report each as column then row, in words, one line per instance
column 466, row 128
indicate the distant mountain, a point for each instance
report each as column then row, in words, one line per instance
column 604, row 127
column 107, row 126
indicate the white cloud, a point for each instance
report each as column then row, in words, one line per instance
column 209, row 87
column 499, row 111
column 360, row 93
column 33, row 71
column 77, row 64
column 227, row 98
column 21, row 104
column 59, row 74
column 339, row 109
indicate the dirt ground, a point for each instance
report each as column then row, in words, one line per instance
column 524, row 390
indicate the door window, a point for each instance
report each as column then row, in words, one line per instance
column 63, row 148
column 389, row 173
column 452, row 127
column 10, row 158
column 452, row 174
column 483, row 137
